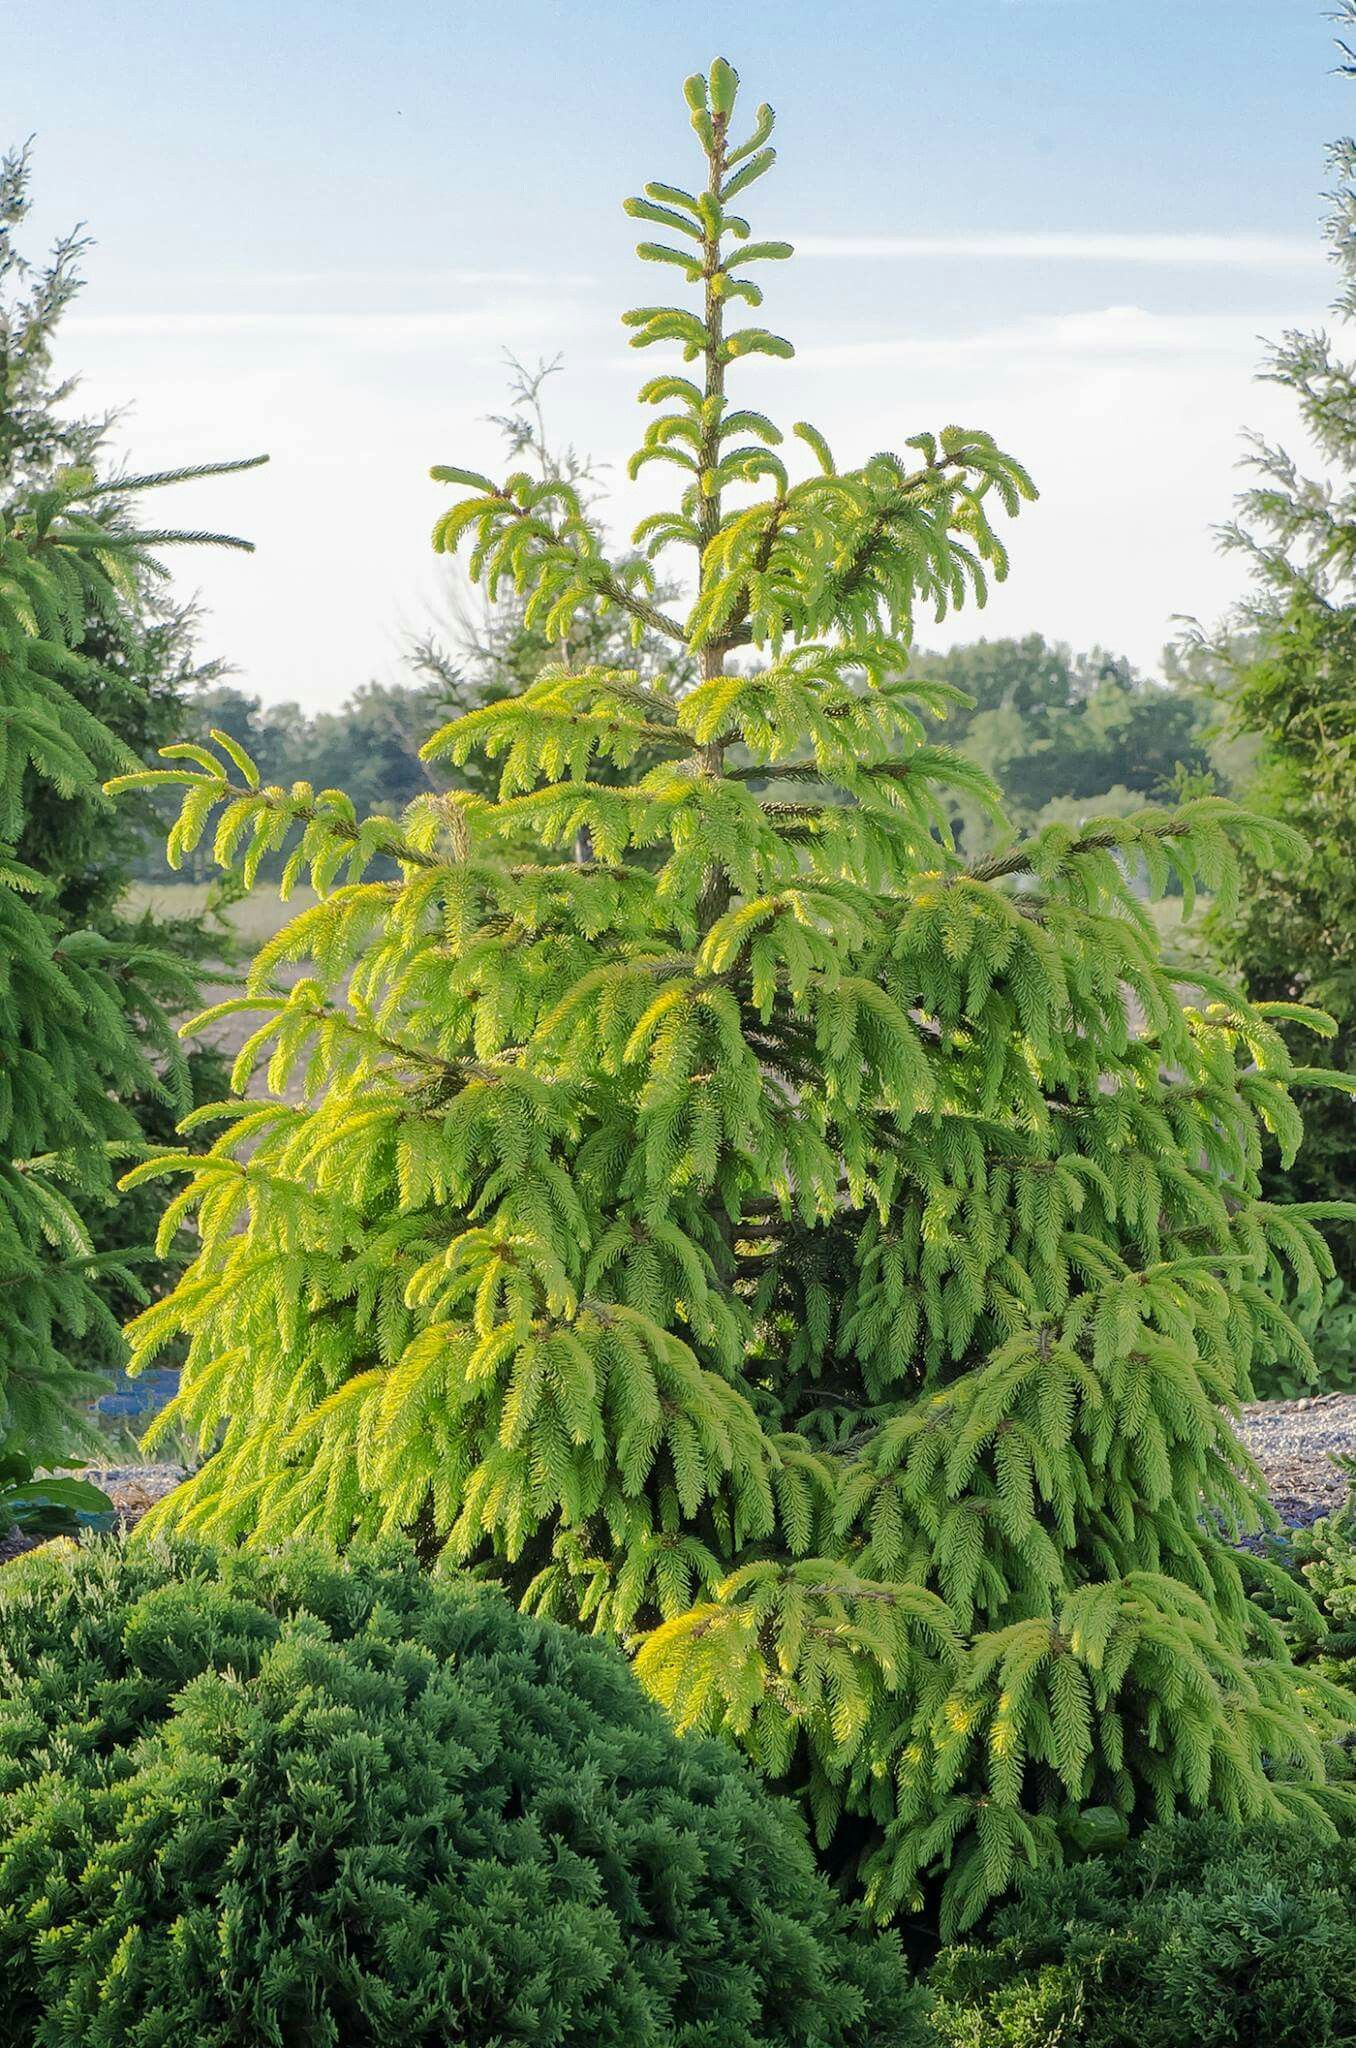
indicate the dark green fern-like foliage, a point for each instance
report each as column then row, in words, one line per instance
column 1201, row 1933
column 1323, row 1559
column 297, row 1804
column 751, row 1231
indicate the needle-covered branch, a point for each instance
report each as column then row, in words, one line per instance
column 827, row 1268
column 85, row 1014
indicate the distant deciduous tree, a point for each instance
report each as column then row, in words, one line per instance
column 1059, row 731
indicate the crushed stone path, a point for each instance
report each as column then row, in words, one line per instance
column 1297, row 1443
column 131, row 1488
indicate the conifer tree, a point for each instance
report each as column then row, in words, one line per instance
column 139, row 666
column 500, row 652
column 757, row 1234
column 85, row 1020
column 1286, row 669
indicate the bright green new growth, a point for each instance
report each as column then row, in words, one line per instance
column 83, row 1019
column 748, row 1231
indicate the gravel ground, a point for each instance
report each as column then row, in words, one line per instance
column 1294, row 1442
column 131, row 1488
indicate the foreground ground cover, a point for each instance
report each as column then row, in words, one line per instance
column 312, row 1804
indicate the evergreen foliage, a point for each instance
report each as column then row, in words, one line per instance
column 137, row 670
column 751, row 1231
column 1287, row 669
column 1201, row 1932
column 280, row 1800
column 85, row 1016
column 1330, row 1568
column 371, row 747
column 1324, row 1559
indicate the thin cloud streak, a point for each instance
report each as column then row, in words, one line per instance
column 424, row 279
column 372, row 329
column 1118, row 331
column 1224, row 251
column 1121, row 333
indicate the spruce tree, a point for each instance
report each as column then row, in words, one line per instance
column 138, row 669
column 1285, row 667
column 750, row 1231
column 85, row 1018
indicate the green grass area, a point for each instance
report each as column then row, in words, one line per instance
column 253, row 919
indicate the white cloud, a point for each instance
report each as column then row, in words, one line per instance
column 382, row 330
column 1109, row 331
column 384, row 279
column 1216, row 251
column 1112, row 328
column 1129, row 419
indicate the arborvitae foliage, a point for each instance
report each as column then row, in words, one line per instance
column 1201, row 1933
column 297, row 1804
column 139, row 666
column 85, row 1019
column 1289, row 661
column 1324, row 1558
column 764, row 1237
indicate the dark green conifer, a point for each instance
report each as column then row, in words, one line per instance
column 1286, row 665
column 86, row 1005
column 137, row 669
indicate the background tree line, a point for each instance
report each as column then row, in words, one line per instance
column 1065, row 734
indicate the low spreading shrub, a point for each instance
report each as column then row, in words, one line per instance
column 1200, row 1933
column 1321, row 1627
column 1327, row 1558
column 1332, row 1340
column 276, row 1799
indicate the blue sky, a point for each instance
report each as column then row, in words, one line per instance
column 319, row 226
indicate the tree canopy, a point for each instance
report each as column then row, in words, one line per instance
column 1285, row 667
